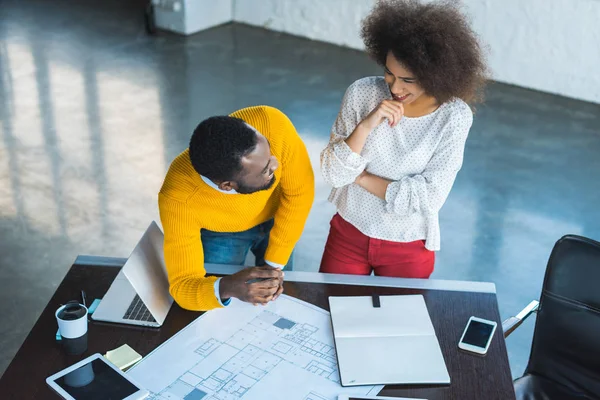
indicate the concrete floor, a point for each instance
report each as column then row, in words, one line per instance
column 92, row 111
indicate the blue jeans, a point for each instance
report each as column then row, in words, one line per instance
column 232, row 247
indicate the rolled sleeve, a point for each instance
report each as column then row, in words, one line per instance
column 348, row 159
column 341, row 166
column 402, row 197
column 426, row 192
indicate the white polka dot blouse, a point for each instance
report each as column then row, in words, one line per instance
column 420, row 155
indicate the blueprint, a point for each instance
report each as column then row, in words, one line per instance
column 284, row 350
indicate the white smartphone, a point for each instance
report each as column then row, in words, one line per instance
column 95, row 378
column 361, row 397
column 478, row 335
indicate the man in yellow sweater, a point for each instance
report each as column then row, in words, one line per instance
column 244, row 184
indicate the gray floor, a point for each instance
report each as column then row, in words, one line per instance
column 92, row 111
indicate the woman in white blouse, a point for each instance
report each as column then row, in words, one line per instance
column 398, row 141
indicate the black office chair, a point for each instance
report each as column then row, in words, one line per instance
column 564, row 363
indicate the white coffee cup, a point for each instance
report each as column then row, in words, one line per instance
column 72, row 321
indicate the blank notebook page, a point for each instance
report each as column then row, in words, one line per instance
column 394, row 343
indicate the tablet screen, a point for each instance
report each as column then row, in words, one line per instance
column 96, row 381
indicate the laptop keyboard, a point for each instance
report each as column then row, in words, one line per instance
column 137, row 311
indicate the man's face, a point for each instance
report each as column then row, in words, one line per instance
column 258, row 169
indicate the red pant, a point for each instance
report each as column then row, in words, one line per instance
column 349, row 251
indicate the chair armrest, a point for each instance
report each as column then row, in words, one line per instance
column 512, row 323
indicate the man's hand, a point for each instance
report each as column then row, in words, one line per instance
column 256, row 285
column 280, row 289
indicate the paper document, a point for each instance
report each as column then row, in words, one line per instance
column 284, row 350
column 394, row 343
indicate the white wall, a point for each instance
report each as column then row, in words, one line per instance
column 333, row 21
column 190, row 16
column 548, row 45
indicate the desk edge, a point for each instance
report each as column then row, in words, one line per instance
column 334, row 279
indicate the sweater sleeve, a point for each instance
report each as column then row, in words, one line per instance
column 297, row 193
column 184, row 257
column 340, row 166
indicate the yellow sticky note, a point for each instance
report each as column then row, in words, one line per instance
column 123, row 357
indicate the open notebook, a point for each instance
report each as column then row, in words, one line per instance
column 394, row 343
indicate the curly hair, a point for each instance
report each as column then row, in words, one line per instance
column 434, row 41
column 218, row 145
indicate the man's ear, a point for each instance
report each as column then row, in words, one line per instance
column 228, row 186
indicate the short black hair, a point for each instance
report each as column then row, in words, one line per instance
column 434, row 41
column 218, row 145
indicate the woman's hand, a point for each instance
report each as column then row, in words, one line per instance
column 391, row 110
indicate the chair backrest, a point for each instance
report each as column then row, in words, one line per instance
column 566, row 342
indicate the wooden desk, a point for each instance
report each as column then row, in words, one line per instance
column 473, row 377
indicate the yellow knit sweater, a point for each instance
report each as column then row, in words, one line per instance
column 187, row 204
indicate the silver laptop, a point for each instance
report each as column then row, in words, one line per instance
column 139, row 295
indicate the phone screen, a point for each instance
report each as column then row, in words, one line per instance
column 478, row 334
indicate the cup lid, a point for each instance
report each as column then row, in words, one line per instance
column 72, row 311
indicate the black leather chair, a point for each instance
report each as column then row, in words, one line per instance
column 565, row 356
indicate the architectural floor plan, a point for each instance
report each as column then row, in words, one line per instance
column 284, row 350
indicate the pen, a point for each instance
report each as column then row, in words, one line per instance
column 83, row 299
